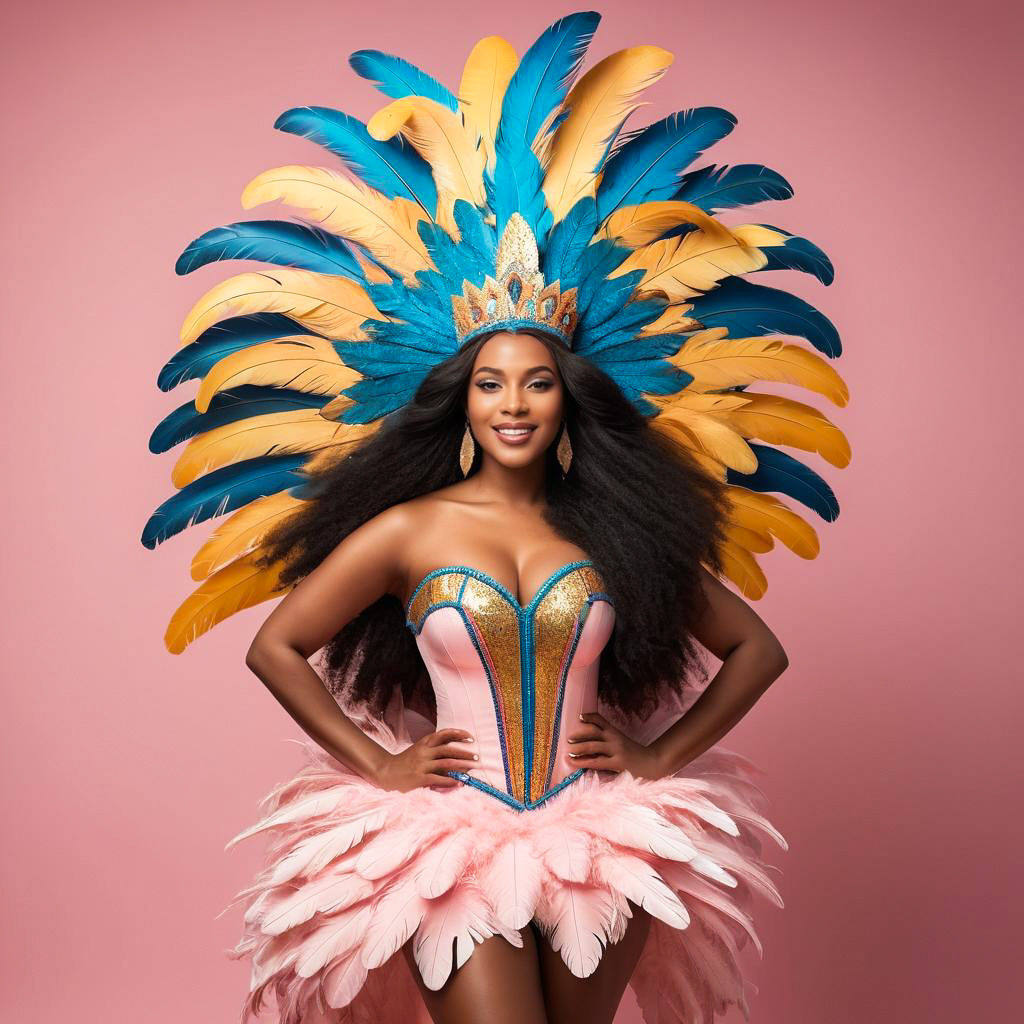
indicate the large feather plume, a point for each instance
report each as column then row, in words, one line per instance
column 352, row 307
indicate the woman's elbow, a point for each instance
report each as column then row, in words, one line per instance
column 775, row 657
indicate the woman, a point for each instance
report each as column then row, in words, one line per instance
column 485, row 423
column 628, row 504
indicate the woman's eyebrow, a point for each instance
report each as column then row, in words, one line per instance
column 494, row 369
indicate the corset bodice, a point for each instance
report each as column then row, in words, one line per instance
column 516, row 677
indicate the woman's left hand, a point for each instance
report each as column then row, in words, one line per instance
column 598, row 744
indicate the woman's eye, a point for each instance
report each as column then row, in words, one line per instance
column 543, row 384
column 485, row 384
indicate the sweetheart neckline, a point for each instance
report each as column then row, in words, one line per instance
column 498, row 585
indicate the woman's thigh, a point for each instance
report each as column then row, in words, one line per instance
column 499, row 983
column 595, row 999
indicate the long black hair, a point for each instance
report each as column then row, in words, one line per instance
column 643, row 510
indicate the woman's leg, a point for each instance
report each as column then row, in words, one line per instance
column 569, row 999
column 499, row 983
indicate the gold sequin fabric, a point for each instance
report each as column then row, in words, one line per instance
column 526, row 653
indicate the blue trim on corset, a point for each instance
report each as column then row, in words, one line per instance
column 527, row 655
column 472, row 780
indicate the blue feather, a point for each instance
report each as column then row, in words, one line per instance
column 222, row 491
column 621, row 326
column 647, row 167
column 655, row 376
column 568, row 241
column 722, row 188
column 379, row 396
column 455, row 261
column 517, row 187
column 194, row 361
column 545, row 74
column 375, row 357
column 228, row 406
column 598, row 260
column 751, row 310
column 390, row 166
column 778, row 471
column 798, row 253
column 538, row 87
column 273, row 241
column 396, row 77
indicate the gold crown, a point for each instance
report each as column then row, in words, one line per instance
column 518, row 298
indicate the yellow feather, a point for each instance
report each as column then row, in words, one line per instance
column 706, row 431
column 742, row 568
column 441, row 138
column 350, row 208
column 229, row 590
column 485, row 77
column 242, row 532
column 683, row 267
column 280, row 433
column 750, row 540
column 682, row 439
column 716, row 361
column 779, row 420
column 759, row 235
column 302, row 363
column 645, row 222
column 674, row 320
column 598, row 104
column 764, row 513
column 330, row 305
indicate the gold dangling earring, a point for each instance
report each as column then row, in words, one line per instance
column 467, row 452
column 564, row 450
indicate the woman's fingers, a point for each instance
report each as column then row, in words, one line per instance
column 448, row 763
column 447, row 735
column 589, row 749
column 441, row 780
column 450, row 751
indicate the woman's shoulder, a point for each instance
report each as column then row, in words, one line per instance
column 414, row 515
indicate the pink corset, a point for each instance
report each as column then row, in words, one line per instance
column 515, row 677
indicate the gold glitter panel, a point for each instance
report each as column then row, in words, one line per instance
column 498, row 624
column 444, row 587
column 554, row 621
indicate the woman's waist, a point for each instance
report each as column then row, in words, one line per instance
column 524, row 765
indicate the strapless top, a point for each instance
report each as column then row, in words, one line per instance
column 516, row 678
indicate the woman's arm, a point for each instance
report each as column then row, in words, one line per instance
column 752, row 659
column 362, row 568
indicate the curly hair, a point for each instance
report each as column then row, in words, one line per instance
column 645, row 512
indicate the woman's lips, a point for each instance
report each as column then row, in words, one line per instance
column 517, row 437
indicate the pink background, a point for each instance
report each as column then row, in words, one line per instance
column 890, row 742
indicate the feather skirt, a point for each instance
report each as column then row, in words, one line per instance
column 353, row 871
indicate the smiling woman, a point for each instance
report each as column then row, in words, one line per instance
column 481, row 427
column 545, row 660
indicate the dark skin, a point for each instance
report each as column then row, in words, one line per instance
column 493, row 521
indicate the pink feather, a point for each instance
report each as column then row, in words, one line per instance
column 578, row 921
column 638, row 881
column 512, row 880
column 337, row 935
column 456, row 919
column 395, row 917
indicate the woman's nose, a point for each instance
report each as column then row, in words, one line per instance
column 515, row 401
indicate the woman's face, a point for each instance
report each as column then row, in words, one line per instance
column 514, row 384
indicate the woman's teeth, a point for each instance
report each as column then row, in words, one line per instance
column 514, row 435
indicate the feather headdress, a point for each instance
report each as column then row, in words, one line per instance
column 520, row 201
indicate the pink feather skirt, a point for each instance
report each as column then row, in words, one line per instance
column 353, row 871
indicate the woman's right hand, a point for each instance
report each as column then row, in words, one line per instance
column 424, row 763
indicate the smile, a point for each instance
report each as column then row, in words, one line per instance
column 514, row 435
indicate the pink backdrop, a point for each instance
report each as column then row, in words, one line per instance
column 888, row 744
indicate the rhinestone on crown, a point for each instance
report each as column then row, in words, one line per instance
column 518, row 298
